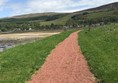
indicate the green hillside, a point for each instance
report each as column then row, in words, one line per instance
column 100, row 47
column 60, row 21
column 43, row 21
column 96, row 17
column 34, row 17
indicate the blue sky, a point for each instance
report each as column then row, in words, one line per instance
column 17, row 7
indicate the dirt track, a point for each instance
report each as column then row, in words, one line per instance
column 65, row 64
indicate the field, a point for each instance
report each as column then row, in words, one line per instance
column 19, row 63
column 100, row 47
column 60, row 21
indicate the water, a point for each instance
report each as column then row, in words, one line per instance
column 5, row 46
column 11, row 44
column 1, row 49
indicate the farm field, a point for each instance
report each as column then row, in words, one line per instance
column 100, row 47
column 19, row 63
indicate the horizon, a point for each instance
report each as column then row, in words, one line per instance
column 9, row 8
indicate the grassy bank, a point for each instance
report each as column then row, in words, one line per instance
column 100, row 47
column 19, row 63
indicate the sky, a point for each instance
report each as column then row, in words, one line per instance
column 17, row 7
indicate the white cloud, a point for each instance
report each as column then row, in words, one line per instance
column 45, row 6
column 2, row 4
column 35, row 6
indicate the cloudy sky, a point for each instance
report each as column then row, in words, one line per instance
column 17, row 7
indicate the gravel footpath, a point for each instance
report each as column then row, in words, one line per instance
column 65, row 64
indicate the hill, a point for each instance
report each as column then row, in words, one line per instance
column 35, row 15
column 111, row 6
column 102, row 15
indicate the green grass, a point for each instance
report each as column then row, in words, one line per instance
column 100, row 48
column 100, row 15
column 60, row 21
column 19, row 63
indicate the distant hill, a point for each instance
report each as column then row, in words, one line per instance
column 55, row 16
column 104, row 13
column 112, row 6
column 35, row 15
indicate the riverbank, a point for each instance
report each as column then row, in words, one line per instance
column 12, row 39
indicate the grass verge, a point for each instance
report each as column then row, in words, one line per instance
column 100, row 48
column 19, row 63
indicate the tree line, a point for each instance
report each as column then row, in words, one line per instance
column 27, row 26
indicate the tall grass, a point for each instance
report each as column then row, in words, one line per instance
column 100, row 47
column 19, row 63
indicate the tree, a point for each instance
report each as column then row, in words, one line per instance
column 3, row 29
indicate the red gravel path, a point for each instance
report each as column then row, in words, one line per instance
column 65, row 64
